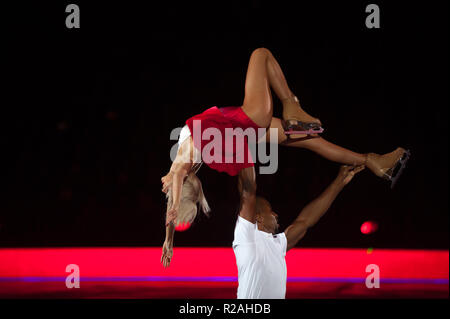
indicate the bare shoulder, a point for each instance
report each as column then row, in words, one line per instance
column 185, row 152
column 184, row 159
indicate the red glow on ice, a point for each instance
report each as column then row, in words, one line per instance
column 218, row 262
column 369, row 227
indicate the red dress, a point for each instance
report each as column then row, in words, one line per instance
column 223, row 153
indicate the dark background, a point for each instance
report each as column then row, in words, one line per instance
column 87, row 115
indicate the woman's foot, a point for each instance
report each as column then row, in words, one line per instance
column 384, row 165
column 292, row 111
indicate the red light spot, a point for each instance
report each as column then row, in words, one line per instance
column 182, row 227
column 369, row 227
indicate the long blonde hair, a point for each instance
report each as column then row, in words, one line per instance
column 191, row 195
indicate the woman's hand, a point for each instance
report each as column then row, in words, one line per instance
column 167, row 182
column 167, row 253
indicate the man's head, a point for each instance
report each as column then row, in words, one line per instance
column 266, row 218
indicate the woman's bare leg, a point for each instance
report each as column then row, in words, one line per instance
column 320, row 146
column 264, row 73
column 378, row 164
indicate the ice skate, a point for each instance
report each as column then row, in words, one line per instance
column 388, row 166
column 297, row 121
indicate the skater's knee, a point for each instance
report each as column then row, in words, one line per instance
column 261, row 51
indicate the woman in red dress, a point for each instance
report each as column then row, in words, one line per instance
column 296, row 129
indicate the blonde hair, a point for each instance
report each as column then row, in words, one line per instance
column 191, row 195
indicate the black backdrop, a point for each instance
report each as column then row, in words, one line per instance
column 87, row 115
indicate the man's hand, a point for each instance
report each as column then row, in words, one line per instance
column 167, row 253
column 346, row 173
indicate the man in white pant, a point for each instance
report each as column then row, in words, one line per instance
column 260, row 251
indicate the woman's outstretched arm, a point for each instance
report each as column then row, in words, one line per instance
column 167, row 250
column 173, row 181
column 180, row 168
column 179, row 174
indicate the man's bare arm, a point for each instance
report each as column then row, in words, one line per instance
column 247, row 191
column 312, row 212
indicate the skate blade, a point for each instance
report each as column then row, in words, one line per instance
column 399, row 166
column 310, row 131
